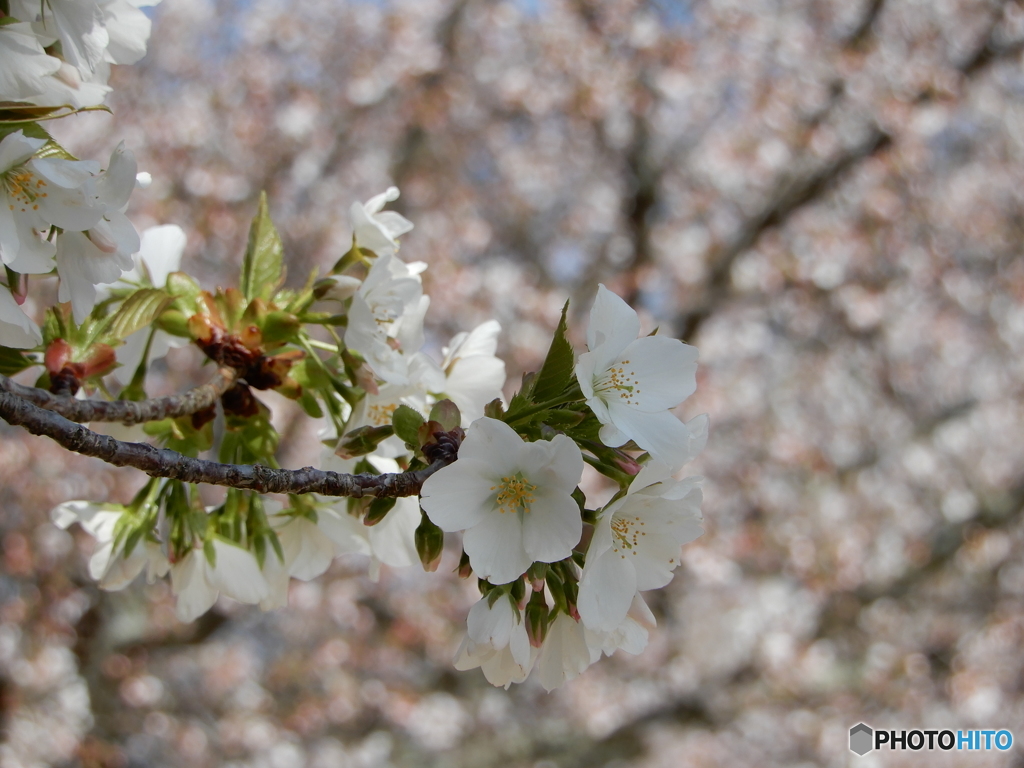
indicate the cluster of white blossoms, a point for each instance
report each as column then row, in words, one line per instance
column 59, row 52
column 561, row 581
column 514, row 502
column 58, row 213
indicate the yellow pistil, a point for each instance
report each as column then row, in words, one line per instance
column 621, row 381
column 515, row 494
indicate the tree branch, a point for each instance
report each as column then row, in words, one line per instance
column 790, row 195
column 125, row 411
column 162, row 462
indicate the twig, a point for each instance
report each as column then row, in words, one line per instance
column 162, row 462
column 125, row 411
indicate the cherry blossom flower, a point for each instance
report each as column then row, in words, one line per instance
column 375, row 229
column 473, row 375
column 128, row 29
column 308, row 551
column 101, row 255
column 24, row 67
column 77, row 24
column 390, row 542
column 36, row 193
column 385, row 321
column 630, row 635
column 636, row 544
column 631, row 384
column 512, row 499
column 197, row 583
column 497, row 642
column 109, row 565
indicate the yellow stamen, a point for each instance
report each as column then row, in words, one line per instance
column 515, row 494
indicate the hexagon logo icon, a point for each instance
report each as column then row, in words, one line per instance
column 861, row 738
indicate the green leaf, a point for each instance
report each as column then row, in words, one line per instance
column 51, row 148
column 362, row 440
column 12, row 361
column 378, row 510
column 556, row 374
column 32, row 130
column 407, row 423
column 139, row 310
column 561, row 418
column 310, row 405
column 264, row 256
column 446, row 413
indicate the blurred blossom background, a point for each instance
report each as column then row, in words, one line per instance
column 825, row 196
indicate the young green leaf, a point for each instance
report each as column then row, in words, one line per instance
column 12, row 361
column 378, row 510
column 264, row 256
column 139, row 310
column 556, row 374
column 446, row 413
column 407, row 423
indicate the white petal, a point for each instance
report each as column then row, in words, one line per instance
column 307, row 550
column 561, row 463
column 23, row 66
column 606, row 591
column 128, row 28
column 237, row 574
column 472, row 383
column 161, row 251
column 394, row 224
column 16, row 329
column 116, row 185
column 276, row 575
column 348, row 534
column 496, row 445
column 665, row 370
column 482, row 341
column 393, row 539
column 613, row 325
column 662, row 434
column 491, row 625
column 460, row 495
column 120, row 571
column 495, row 548
column 190, row 583
column 564, row 655
column 552, row 527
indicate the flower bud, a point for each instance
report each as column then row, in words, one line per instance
column 58, row 354
column 101, row 359
column 201, row 329
column 429, row 544
column 537, row 619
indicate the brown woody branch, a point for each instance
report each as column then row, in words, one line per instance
column 125, row 411
column 162, row 462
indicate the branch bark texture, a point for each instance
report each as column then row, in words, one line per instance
column 125, row 411
column 162, row 462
